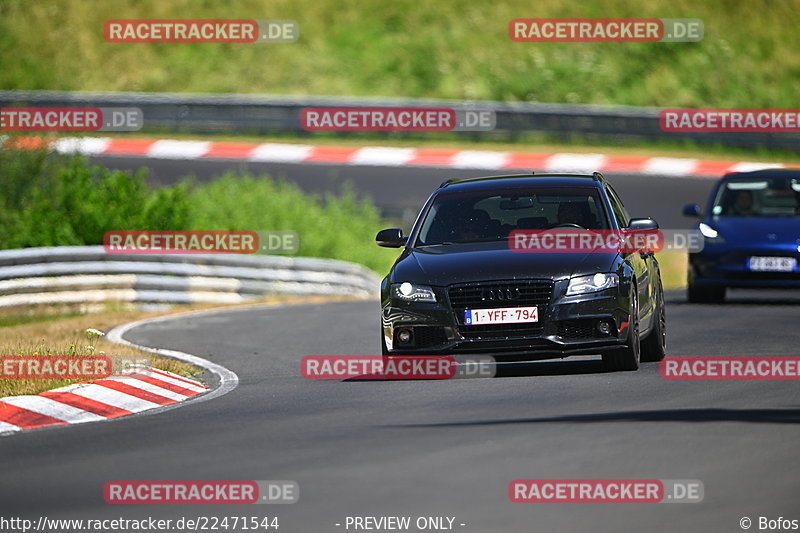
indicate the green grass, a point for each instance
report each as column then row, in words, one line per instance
column 673, row 269
column 750, row 56
column 17, row 318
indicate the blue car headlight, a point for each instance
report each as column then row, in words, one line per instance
column 710, row 233
column 413, row 293
column 594, row 283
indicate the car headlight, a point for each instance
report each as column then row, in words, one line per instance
column 413, row 293
column 593, row 283
column 710, row 233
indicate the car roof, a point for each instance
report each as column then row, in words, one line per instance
column 764, row 173
column 522, row 181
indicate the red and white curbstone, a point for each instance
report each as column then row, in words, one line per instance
column 138, row 389
column 396, row 157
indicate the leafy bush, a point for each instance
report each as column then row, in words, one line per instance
column 59, row 200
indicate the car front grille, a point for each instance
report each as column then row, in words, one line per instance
column 495, row 294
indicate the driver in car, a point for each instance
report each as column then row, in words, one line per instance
column 743, row 206
column 570, row 213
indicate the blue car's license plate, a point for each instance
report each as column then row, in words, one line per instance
column 772, row 264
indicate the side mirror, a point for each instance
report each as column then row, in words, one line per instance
column 643, row 224
column 644, row 234
column 391, row 238
column 692, row 210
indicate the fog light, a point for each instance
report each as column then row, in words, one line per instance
column 404, row 336
column 603, row 327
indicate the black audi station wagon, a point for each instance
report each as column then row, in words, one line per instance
column 459, row 287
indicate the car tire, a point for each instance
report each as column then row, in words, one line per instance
column 627, row 358
column 654, row 346
column 705, row 295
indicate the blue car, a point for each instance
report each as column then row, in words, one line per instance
column 751, row 228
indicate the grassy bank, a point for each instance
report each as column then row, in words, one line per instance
column 750, row 56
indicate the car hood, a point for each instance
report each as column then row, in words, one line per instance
column 758, row 229
column 462, row 263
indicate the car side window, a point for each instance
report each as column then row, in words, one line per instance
column 623, row 218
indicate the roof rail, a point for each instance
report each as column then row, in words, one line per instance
column 595, row 175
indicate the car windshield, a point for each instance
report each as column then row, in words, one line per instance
column 768, row 197
column 486, row 216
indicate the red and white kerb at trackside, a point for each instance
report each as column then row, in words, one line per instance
column 384, row 156
column 139, row 388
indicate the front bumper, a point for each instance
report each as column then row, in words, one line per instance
column 725, row 266
column 566, row 326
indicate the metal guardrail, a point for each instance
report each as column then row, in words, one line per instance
column 83, row 274
column 265, row 114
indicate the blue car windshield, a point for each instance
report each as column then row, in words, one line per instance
column 767, row 197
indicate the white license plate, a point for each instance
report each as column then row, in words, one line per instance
column 772, row 264
column 501, row 315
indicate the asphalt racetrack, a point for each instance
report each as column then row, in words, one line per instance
column 444, row 448
column 405, row 189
